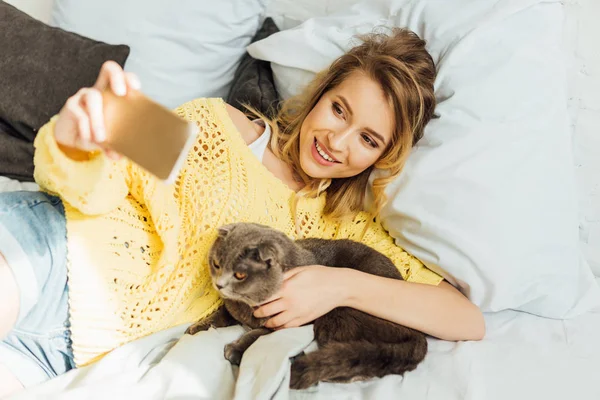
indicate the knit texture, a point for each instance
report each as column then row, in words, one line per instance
column 137, row 248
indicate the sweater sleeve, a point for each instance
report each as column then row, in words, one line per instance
column 93, row 186
column 98, row 185
column 410, row 267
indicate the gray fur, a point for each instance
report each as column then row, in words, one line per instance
column 352, row 345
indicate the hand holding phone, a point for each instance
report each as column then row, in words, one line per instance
column 113, row 116
column 147, row 133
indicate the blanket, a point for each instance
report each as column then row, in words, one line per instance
column 522, row 357
column 171, row 365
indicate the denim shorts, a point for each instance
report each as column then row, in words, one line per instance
column 33, row 242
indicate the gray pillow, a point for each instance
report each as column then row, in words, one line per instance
column 16, row 153
column 253, row 80
column 42, row 66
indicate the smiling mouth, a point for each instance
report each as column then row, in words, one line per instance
column 323, row 154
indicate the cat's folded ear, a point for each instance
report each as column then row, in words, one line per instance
column 269, row 253
column 225, row 230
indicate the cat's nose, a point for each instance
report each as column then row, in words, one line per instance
column 220, row 283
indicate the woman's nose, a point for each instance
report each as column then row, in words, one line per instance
column 337, row 140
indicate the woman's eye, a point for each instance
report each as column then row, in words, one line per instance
column 337, row 109
column 369, row 141
column 240, row 276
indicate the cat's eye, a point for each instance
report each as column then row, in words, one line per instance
column 216, row 266
column 240, row 276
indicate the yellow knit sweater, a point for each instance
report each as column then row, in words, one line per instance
column 137, row 247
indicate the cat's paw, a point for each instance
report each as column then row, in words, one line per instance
column 197, row 327
column 233, row 354
column 302, row 375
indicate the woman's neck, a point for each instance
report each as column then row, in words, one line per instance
column 277, row 167
column 282, row 170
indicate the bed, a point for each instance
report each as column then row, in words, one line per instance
column 523, row 356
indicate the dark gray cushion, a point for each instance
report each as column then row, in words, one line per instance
column 253, row 81
column 16, row 153
column 42, row 66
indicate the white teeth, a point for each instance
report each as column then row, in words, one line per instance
column 322, row 153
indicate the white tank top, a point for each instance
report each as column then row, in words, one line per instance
column 259, row 146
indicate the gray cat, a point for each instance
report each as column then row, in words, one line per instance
column 247, row 262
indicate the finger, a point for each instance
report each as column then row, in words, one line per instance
column 295, row 323
column 133, row 81
column 273, row 298
column 270, row 309
column 112, row 75
column 113, row 155
column 279, row 320
column 92, row 102
column 82, row 124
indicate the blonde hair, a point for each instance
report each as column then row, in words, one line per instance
column 399, row 62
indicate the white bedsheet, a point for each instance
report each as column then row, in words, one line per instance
column 522, row 357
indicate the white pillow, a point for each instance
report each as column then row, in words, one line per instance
column 288, row 14
column 487, row 198
column 180, row 50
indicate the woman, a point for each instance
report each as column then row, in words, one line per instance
column 136, row 248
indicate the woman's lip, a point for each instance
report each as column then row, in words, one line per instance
column 326, row 151
column 319, row 158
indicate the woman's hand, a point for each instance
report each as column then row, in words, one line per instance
column 80, row 124
column 307, row 293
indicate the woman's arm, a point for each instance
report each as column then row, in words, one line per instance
column 69, row 157
column 90, row 182
column 310, row 292
column 440, row 311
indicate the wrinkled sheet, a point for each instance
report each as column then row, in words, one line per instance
column 522, row 357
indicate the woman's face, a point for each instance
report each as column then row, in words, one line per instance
column 347, row 130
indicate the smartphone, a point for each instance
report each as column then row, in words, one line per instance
column 147, row 133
